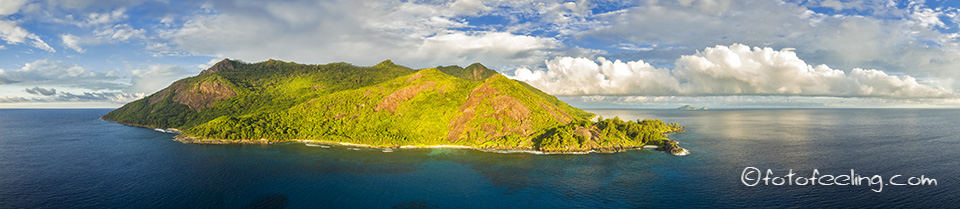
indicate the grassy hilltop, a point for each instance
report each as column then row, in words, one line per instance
column 385, row 105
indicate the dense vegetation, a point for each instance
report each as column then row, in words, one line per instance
column 605, row 134
column 383, row 105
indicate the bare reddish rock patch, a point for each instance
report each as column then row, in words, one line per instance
column 477, row 96
column 202, row 95
column 392, row 101
column 457, row 125
column 557, row 113
column 591, row 134
column 503, row 106
column 414, row 77
column 509, row 107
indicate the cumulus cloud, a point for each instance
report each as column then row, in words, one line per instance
column 10, row 7
column 582, row 76
column 496, row 45
column 927, row 17
column 101, row 18
column 104, row 34
column 9, row 99
column 41, row 91
column 723, row 70
column 410, row 33
column 69, row 79
column 469, row 7
column 833, row 4
column 119, row 32
column 752, row 101
column 65, row 82
column 157, row 77
column 96, row 5
column 45, row 71
column 881, row 34
column 14, row 34
column 5, row 80
column 72, row 42
column 708, row 6
column 115, row 97
column 106, row 27
column 112, row 97
column 90, row 19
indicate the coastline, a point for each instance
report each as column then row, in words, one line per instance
column 613, row 149
column 180, row 137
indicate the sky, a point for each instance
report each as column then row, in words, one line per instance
column 592, row 54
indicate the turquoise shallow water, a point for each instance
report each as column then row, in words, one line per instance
column 70, row 159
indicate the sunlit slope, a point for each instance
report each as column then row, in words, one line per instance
column 384, row 105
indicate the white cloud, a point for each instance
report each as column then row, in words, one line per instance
column 754, row 101
column 41, row 91
column 875, row 6
column 581, row 76
column 167, row 21
column 156, row 77
column 469, row 7
column 10, row 7
column 927, row 17
column 723, row 70
column 459, row 47
column 45, row 71
column 95, row 4
column 59, row 97
column 105, row 34
column 58, row 81
column 115, row 97
column 41, row 70
column 880, row 35
column 708, row 6
column 14, row 34
column 105, row 18
column 833, row 4
column 414, row 34
column 72, row 42
column 9, row 99
column 119, row 32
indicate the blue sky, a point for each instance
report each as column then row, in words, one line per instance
column 716, row 53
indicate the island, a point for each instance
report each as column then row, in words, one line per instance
column 383, row 106
column 688, row 107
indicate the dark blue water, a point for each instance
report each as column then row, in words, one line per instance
column 70, row 159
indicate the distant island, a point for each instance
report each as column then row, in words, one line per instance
column 384, row 106
column 688, row 107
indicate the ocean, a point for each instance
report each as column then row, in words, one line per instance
column 62, row 158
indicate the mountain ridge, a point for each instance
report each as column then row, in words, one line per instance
column 385, row 105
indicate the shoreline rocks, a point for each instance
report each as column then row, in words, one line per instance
column 669, row 145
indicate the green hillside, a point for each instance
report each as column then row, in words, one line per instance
column 385, row 105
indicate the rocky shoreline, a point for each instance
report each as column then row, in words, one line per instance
column 670, row 147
